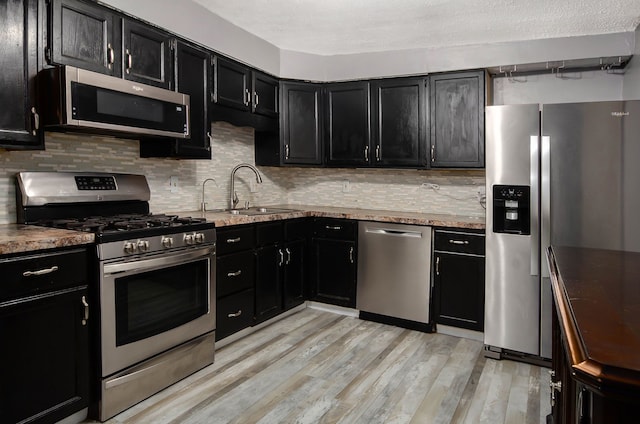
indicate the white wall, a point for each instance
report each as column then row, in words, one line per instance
column 632, row 74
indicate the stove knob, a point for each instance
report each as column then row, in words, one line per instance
column 167, row 242
column 189, row 239
column 129, row 247
column 143, row 245
column 199, row 238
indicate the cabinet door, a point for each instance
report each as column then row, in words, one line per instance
column 85, row 35
column 457, row 103
column 334, row 279
column 44, row 360
column 265, row 95
column 294, row 273
column 231, row 84
column 269, row 260
column 193, row 76
column 19, row 120
column 459, row 290
column 234, row 313
column 147, row 54
column 301, row 123
column 400, row 113
column 347, row 134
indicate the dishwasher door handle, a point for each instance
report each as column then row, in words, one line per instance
column 396, row 233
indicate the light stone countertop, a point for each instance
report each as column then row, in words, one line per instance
column 18, row 238
column 223, row 218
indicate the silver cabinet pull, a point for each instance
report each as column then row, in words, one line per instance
column 256, row 99
column 438, row 265
column 281, row 257
column 247, row 97
column 366, row 153
column 236, row 314
column 110, row 56
column 234, row 274
column 40, row 272
column 85, row 317
column 433, row 153
column 129, row 61
column 288, row 256
column 351, row 254
column 36, row 120
column 286, row 152
column 233, row 240
column 458, row 241
column 378, row 153
column 333, row 227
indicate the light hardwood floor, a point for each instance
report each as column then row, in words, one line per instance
column 320, row 367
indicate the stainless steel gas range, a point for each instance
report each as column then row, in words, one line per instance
column 155, row 279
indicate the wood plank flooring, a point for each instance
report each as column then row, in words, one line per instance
column 320, row 367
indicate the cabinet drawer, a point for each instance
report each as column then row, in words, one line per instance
column 335, row 228
column 268, row 233
column 460, row 242
column 235, row 239
column 234, row 273
column 233, row 313
column 34, row 274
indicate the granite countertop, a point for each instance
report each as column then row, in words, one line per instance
column 223, row 218
column 18, row 238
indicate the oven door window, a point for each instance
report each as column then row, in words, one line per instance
column 152, row 302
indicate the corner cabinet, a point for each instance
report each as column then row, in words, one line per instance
column 19, row 120
column 193, row 76
column 301, row 123
column 457, row 101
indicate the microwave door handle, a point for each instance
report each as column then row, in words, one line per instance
column 163, row 261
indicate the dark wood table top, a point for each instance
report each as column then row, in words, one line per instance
column 597, row 296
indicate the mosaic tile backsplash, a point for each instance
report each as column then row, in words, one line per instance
column 455, row 192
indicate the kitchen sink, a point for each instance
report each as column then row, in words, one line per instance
column 258, row 211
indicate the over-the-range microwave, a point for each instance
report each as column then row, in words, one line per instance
column 77, row 99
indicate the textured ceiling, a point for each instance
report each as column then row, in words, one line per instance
column 329, row 27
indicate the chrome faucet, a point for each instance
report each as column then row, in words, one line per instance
column 233, row 196
column 203, row 205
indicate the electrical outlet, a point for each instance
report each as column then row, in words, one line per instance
column 346, row 186
column 173, row 184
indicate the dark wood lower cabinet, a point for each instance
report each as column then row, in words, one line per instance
column 234, row 313
column 269, row 261
column 44, row 360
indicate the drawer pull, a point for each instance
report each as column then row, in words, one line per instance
column 235, row 315
column 40, row 272
column 234, row 274
column 233, row 240
column 333, row 227
column 85, row 318
column 458, row 241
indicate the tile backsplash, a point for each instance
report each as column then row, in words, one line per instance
column 455, row 192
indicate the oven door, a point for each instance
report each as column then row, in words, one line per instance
column 153, row 303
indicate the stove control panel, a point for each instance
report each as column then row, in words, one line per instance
column 85, row 182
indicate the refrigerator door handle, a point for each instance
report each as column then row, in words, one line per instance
column 545, row 200
column 534, row 211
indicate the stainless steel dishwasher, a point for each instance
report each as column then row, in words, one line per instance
column 394, row 268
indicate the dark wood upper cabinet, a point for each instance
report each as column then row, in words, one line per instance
column 146, row 54
column 301, row 123
column 231, row 84
column 19, row 120
column 265, row 99
column 193, row 70
column 85, row 35
column 348, row 129
column 400, row 122
column 457, row 101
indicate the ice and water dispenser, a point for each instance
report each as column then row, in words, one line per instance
column 511, row 212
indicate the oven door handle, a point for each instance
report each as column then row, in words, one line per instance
column 158, row 262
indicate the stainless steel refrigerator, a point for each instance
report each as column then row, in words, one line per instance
column 557, row 174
